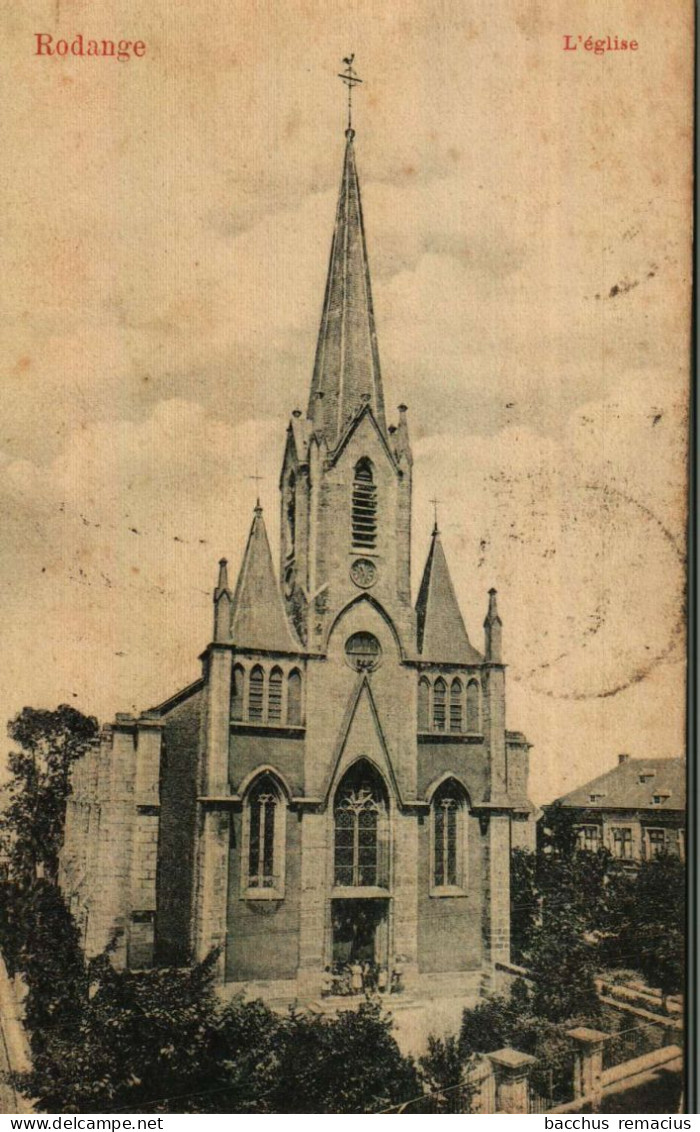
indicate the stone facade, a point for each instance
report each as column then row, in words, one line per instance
column 339, row 784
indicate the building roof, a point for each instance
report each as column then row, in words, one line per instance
column 258, row 618
column 346, row 370
column 632, row 785
column 442, row 636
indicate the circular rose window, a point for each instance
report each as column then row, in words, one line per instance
column 363, row 652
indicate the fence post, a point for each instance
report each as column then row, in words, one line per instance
column 588, row 1061
column 512, row 1072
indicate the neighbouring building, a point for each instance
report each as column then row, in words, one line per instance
column 339, row 782
column 636, row 810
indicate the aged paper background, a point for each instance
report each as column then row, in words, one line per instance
column 166, row 226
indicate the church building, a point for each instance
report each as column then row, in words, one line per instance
column 339, row 783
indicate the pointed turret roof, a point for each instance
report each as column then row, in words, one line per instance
column 258, row 620
column 346, row 370
column 442, row 636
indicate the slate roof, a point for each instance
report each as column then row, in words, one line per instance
column 622, row 787
column 346, row 369
column 442, row 636
column 258, row 618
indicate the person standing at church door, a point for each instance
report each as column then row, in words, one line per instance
column 355, row 977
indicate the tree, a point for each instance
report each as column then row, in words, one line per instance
column 132, row 1040
column 570, row 882
column 349, row 1063
column 562, row 966
column 524, row 901
column 645, row 922
column 161, row 1041
column 32, row 823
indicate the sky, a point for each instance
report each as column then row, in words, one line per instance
column 166, row 226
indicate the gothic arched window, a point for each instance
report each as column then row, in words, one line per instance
column 473, row 712
column 456, row 713
column 263, row 854
column 364, row 506
column 291, row 514
column 449, row 809
column 360, row 814
column 274, row 697
column 294, row 717
column 439, row 704
column 237, row 692
column 423, row 704
column 256, row 694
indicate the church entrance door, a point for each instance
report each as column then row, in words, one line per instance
column 360, row 931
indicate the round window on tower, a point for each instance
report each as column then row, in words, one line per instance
column 363, row 652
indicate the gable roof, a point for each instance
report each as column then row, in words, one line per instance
column 442, row 636
column 361, row 699
column 622, row 788
column 258, row 618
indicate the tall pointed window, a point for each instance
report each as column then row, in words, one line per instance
column 256, row 694
column 439, row 704
column 449, row 809
column 364, row 506
column 294, row 716
column 473, row 706
column 423, row 704
column 361, row 830
column 291, row 514
column 237, row 693
column 274, row 697
column 456, row 713
column 264, row 836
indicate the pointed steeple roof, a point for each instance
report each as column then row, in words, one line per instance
column 442, row 636
column 258, row 620
column 346, row 370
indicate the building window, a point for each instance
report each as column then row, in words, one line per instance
column 589, row 838
column 622, row 843
column 656, row 842
column 361, row 831
column 256, row 694
column 294, row 698
column 423, row 704
column 264, row 835
column 237, row 685
column 439, row 697
column 659, row 799
column 456, row 705
column 291, row 515
column 448, row 837
column 363, row 652
column 473, row 712
column 364, row 506
column 274, row 697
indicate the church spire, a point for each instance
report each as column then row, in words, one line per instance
column 442, row 636
column 346, row 370
column 257, row 617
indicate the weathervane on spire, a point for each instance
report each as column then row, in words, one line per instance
column 435, row 503
column 350, row 79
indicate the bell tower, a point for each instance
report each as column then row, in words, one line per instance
column 346, row 477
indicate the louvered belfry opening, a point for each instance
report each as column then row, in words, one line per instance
column 364, row 507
